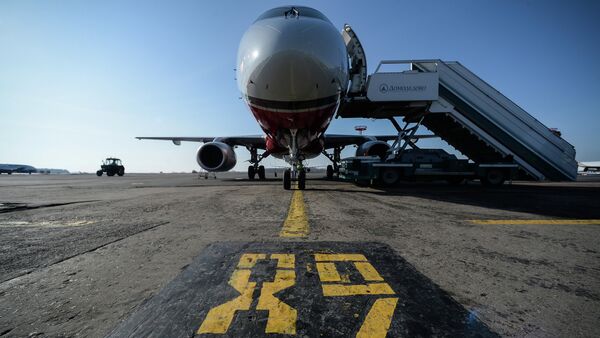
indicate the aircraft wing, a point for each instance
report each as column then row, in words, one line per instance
column 334, row 140
column 257, row 141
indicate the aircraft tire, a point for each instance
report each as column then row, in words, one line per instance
column 251, row 172
column 389, row 176
column 329, row 171
column 261, row 172
column 302, row 180
column 287, row 179
column 493, row 178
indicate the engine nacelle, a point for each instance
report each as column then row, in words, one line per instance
column 373, row 148
column 216, row 156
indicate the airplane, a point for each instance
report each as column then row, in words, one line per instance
column 16, row 168
column 589, row 167
column 293, row 70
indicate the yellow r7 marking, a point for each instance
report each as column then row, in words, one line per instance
column 378, row 319
column 296, row 223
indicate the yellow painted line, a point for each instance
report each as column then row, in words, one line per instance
column 535, row 221
column 368, row 271
column 296, row 223
column 328, row 272
column 378, row 319
column 333, row 290
column 284, row 261
column 340, row 258
column 248, row 260
column 219, row 318
column 282, row 317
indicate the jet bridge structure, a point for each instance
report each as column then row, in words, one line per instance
column 465, row 111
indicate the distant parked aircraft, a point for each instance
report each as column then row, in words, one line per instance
column 16, row 168
column 589, row 167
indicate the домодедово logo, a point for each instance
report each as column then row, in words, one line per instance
column 383, row 88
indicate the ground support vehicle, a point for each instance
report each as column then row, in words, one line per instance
column 423, row 165
column 111, row 166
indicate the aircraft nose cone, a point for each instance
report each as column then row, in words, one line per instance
column 291, row 75
column 292, row 60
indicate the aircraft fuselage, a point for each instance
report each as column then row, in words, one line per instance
column 292, row 70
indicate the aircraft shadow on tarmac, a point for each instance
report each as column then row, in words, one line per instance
column 551, row 201
column 247, row 180
column 581, row 202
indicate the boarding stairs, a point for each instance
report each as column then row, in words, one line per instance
column 466, row 112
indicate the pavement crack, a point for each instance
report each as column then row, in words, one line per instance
column 5, row 332
column 6, row 207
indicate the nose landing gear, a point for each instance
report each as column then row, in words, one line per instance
column 299, row 176
column 329, row 172
column 302, row 179
column 297, row 172
column 287, row 179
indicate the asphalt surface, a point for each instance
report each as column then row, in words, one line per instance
column 86, row 256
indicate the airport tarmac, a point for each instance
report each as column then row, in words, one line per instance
column 151, row 254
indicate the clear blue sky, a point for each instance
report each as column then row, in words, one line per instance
column 80, row 79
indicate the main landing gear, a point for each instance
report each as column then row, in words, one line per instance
column 256, row 169
column 302, row 179
column 335, row 158
column 329, row 172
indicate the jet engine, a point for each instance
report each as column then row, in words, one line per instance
column 216, row 156
column 373, row 148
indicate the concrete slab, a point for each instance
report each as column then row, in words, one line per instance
column 79, row 253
